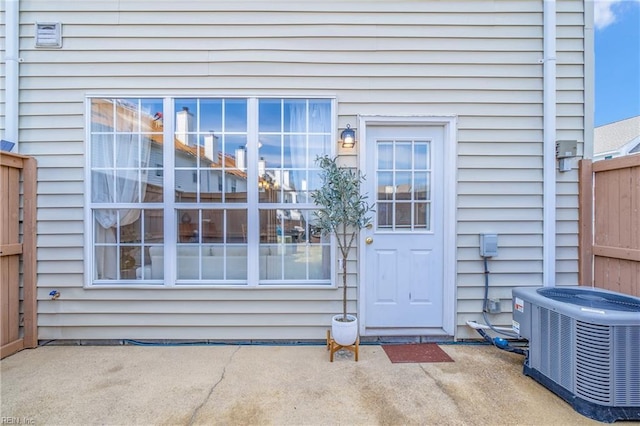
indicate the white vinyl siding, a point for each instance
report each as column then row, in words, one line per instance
column 479, row 60
column 573, row 118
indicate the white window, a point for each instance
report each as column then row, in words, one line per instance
column 224, row 202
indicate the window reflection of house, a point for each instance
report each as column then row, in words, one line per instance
column 211, row 168
column 211, row 199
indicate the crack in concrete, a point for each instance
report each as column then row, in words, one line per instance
column 194, row 415
column 440, row 385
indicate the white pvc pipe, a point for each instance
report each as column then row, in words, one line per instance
column 589, row 77
column 12, row 50
column 549, row 149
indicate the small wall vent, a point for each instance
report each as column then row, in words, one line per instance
column 49, row 34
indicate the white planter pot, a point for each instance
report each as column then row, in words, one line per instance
column 344, row 333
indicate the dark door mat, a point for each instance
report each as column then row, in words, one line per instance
column 416, row 352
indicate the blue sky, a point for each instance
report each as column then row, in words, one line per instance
column 617, row 51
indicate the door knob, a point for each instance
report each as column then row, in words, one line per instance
column 369, row 240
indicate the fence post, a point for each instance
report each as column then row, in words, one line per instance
column 585, row 223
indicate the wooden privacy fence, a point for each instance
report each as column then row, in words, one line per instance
column 610, row 224
column 18, row 327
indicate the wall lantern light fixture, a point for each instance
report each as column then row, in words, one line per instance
column 348, row 137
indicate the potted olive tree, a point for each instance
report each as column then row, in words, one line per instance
column 344, row 211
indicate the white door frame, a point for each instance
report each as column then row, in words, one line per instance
column 449, row 123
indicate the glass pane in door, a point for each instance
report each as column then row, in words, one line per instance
column 403, row 181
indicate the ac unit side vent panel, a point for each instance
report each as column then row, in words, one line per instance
column 593, row 362
column 554, row 331
column 626, row 343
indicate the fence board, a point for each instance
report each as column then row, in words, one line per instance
column 610, row 238
column 29, row 260
column 13, row 337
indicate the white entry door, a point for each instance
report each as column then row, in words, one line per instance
column 403, row 251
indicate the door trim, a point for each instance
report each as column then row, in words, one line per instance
column 449, row 124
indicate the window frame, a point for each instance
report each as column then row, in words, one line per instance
column 170, row 206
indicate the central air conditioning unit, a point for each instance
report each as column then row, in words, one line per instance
column 584, row 345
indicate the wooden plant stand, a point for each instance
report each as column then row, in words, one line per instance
column 333, row 347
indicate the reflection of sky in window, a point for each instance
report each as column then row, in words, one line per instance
column 403, row 178
column 385, row 155
column 385, row 178
column 280, row 117
column 270, row 150
column 235, row 115
column 421, row 158
column 233, row 142
column 269, row 113
column 286, row 116
column 403, row 155
column 209, row 114
column 299, row 115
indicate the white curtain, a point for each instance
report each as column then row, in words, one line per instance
column 319, row 121
column 320, row 118
column 118, row 177
column 318, row 115
column 297, row 124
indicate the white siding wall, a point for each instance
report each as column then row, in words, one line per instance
column 3, row 71
column 479, row 60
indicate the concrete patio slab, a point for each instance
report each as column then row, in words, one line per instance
column 271, row 385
